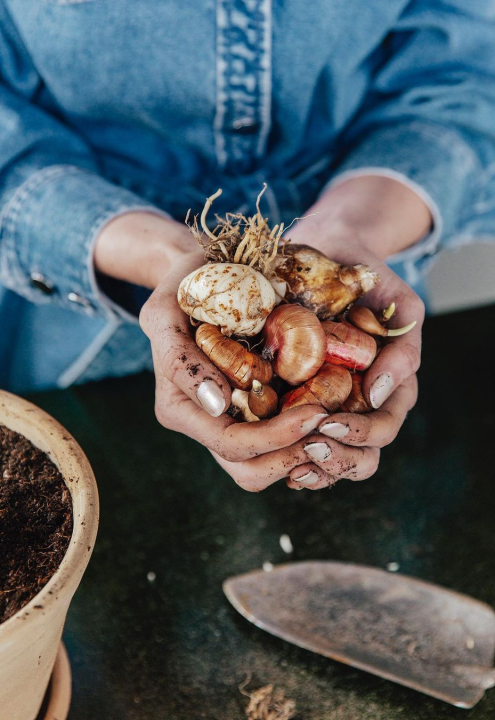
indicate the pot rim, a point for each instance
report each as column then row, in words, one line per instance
column 50, row 436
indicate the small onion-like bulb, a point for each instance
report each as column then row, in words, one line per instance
column 320, row 284
column 263, row 400
column 240, row 401
column 235, row 297
column 365, row 319
column 239, row 366
column 356, row 403
column 295, row 342
column 348, row 346
column 330, row 388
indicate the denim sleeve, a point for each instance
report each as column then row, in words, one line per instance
column 53, row 202
column 428, row 119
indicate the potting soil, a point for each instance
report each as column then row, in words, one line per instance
column 35, row 521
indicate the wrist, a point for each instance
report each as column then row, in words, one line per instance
column 377, row 213
column 140, row 247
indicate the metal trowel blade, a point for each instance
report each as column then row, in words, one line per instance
column 405, row 630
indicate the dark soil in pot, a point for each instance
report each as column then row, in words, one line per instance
column 35, row 521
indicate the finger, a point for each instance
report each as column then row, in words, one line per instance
column 233, row 440
column 341, row 461
column 330, row 456
column 177, row 357
column 309, row 476
column 399, row 357
column 377, row 428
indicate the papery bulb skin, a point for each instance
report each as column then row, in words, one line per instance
column 235, row 297
column 239, row 366
column 295, row 342
column 348, row 346
column 263, row 400
column 356, row 403
column 240, row 401
column 319, row 284
column 365, row 319
column 329, row 388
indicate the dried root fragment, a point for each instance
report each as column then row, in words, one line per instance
column 268, row 703
column 238, row 239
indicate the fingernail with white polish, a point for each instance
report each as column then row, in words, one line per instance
column 312, row 423
column 309, row 479
column 318, row 451
column 334, row 430
column 211, row 397
column 381, row 389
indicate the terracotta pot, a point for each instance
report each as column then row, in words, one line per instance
column 29, row 640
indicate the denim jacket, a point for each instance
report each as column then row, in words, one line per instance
column 112, row 105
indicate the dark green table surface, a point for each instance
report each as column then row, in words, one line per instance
column 174, row 649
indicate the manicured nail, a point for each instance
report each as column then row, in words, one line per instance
column 334, row 430
column 318, row 451
column 309, row 479
column 312, row 423
column 381, row 389
column 211, row 397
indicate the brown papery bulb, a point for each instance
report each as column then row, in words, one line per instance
column 329, row 388
column 365, row 319
column 239, row 366
column 356, row 403
column 319, row 284
column 240, row 403
column 263, row 400
column 295, row 342
column 348, row 346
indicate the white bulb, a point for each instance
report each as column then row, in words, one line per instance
column 235, row 297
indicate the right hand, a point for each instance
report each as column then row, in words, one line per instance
column 192, row 397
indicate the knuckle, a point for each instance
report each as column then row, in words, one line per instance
column 362, row 430
column 229, row 451
column 390, row 431
column 162, row 415
column 418, row 308
column 148, row 317
column 172, row 363
column 245, row 479
column 371, row 465
column 413, row 357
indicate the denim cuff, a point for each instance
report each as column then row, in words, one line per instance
column 48, row 231
column 433, row 161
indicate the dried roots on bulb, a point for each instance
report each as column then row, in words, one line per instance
column 365, row 319
column 235, row 290
column 238, row 239
column 348, row 346
column 330, row 388
column 319, row 284
column 239, row 366
column 295, row 342
column 356, row 402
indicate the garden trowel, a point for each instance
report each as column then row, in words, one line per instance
column 405, row 630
